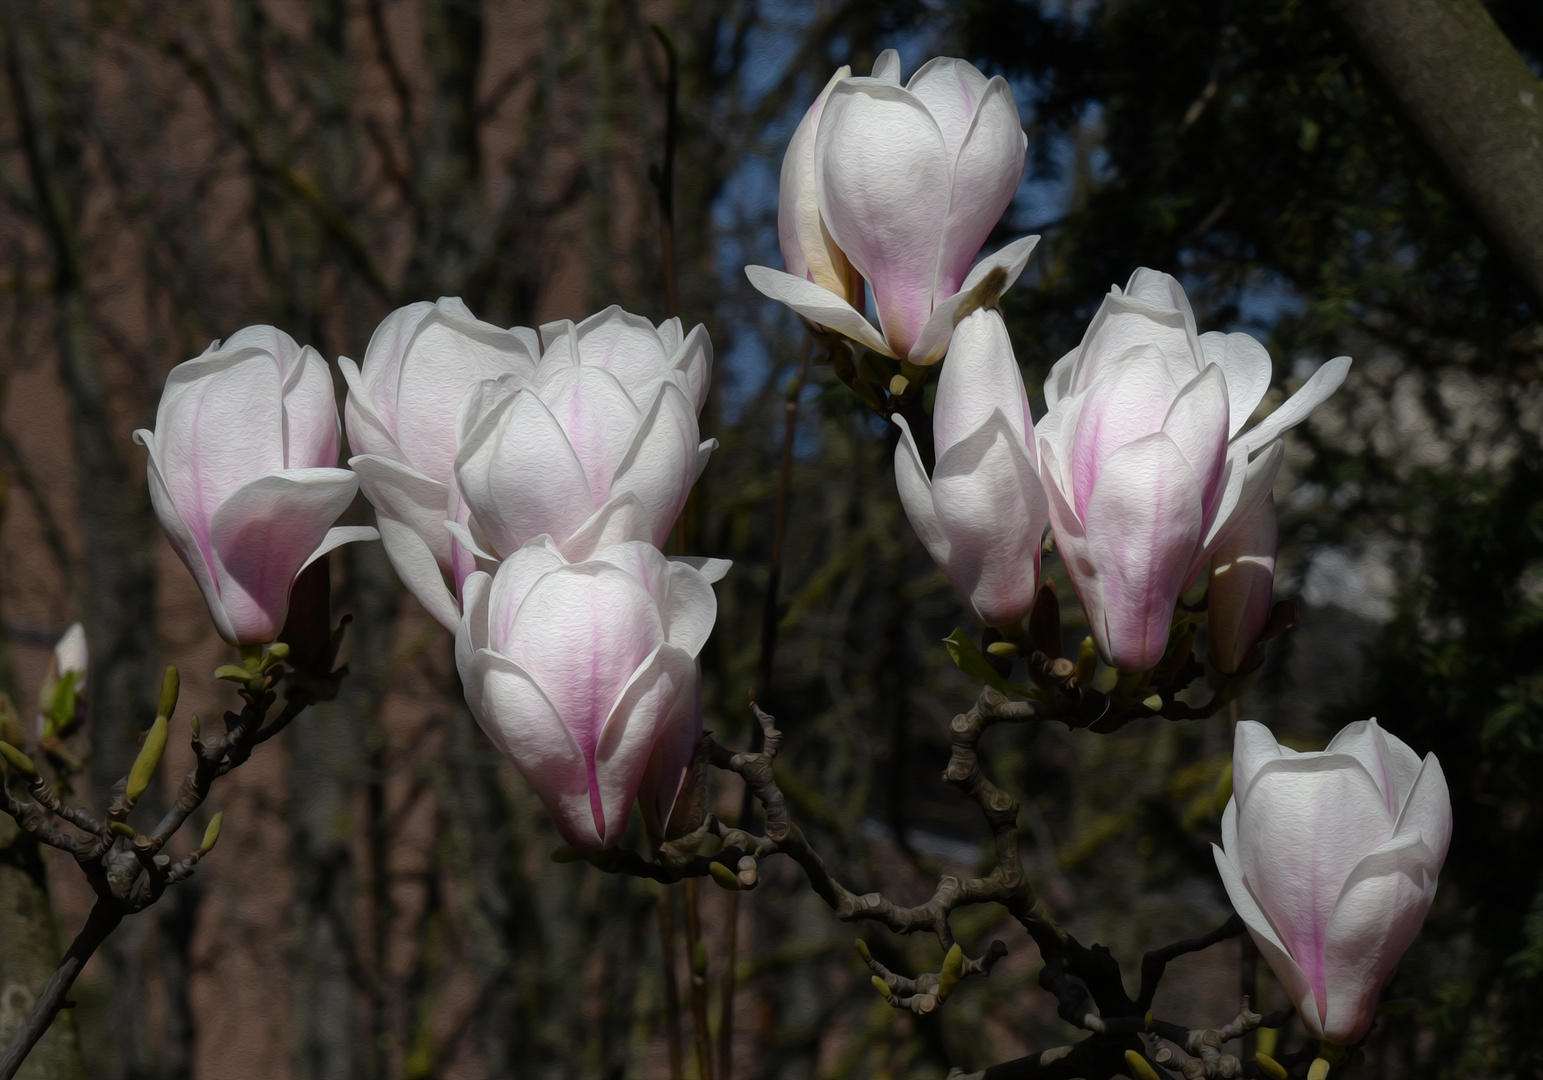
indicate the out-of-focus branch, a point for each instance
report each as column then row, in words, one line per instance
column 1474, row 101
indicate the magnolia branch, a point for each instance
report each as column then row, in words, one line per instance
column 128, row 870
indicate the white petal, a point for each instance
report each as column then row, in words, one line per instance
column 820, row 306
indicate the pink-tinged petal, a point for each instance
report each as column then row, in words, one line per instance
column 976, row 292
column 883, row 179
column 1241, row 589
column 1055, row 440
column 367, row 431
column 952, row 90
column 193, row 553
column 1286, row 969
column 1123, row 327
column 511, row 708
column 382, row 367
column 808, row 249
column 220, row 423
column 408, row 497
column 597, row 417
column 1248, row 369
column 622, row 518
column 447, row 351
column 415, row 564
column 628, row 346
column 581, row 632
column 916, row 494
column 339, row 535
column 1197, row 423
column 520, row 477
column 471, row 633
column 1245, row 485
column 663, row 689
column 886, row 67
column 1377, row 916
column 1389, row 760
column 680, row 731
column 516, row 576
column 992, row 508
column 1253, row 746
column 1071, row 539
column 662, row 461
column 820, row 306
column 312, row 434
column 1129, row 402
column 1058, row 384
column 1298, row 406
column 262, row 536
column 1308, row 819
column 981, row 377
column 1428, row 809
column 986, row 173
column 692, row 362
column 1161, row 291
column 682, row 593
column 714, row 570
column 672, row 334
column 1143, row 522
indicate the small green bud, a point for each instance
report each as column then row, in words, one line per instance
column 276, row 652
column 171, row 686
column 1318, row 1070
column 882, row 987
column 1139, row 1067
column 18, row 761
column 1153, row 702
column 862, row 950
column 1269, row 1066
column 198, row 727
column 724, row 877
column 233, row 673
column 122, row 829
column 1150, row 1019
column 1223, row 790
column 148, row 761
column 1087, row 661
column 953, row 971
column 212, row 833
column 898, row 385
column 1002, row 648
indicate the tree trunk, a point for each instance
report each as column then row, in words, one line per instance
column 1476, row 104
column 28, row 959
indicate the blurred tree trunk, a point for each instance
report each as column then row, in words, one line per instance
column 48, row 76
column 1476, row 104
column 30, row 955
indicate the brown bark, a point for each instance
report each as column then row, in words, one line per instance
column 1476, row 104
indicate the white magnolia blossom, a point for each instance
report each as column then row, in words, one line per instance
column 982, row 514
column 1331, row 860
column 908, row 182
column 585, row 674
column 1148, row 459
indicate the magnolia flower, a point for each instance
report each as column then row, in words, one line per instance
column 601, row 446
column 1331, row 859
column 62, row 696
column 585, row 674
column 1240, row 590
column 983, row 513
column 242, row 475
column 908, row 182
column 401, row 412
column 1146, row 461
